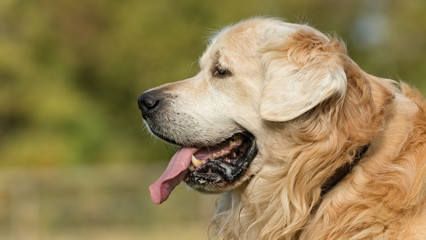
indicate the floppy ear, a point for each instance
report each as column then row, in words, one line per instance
column 302, row 72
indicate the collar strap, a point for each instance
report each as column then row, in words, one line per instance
column 343, row 171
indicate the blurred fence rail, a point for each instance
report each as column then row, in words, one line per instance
column 96, row 203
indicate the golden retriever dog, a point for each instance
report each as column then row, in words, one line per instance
column 300, row 141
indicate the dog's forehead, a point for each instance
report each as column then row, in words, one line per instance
column 233, row 41
column 244, row 38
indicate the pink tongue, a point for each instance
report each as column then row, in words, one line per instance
column 172, row 176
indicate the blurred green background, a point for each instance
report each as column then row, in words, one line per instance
column 76, row 160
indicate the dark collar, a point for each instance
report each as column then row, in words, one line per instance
column 342, row 171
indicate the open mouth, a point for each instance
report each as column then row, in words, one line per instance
column 207, row 169
column 214, row 167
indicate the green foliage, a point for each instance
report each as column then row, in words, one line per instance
column 71, row 70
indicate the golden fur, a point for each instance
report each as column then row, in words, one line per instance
column 384, row 196
column 310, row 108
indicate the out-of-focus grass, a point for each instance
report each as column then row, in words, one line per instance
column 192, row 231
column 97, row 203
column 180, row 231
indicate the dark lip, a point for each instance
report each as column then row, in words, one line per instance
column 216, row 175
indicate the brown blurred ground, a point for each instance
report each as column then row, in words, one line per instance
column 96, row 203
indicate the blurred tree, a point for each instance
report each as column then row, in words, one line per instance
column 71, row 70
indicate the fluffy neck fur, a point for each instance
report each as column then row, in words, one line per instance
column 287, row 189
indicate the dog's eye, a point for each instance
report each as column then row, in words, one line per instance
column 221, row 72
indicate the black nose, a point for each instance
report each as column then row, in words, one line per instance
column 148, row 102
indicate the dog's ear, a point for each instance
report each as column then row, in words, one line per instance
column 302, row 72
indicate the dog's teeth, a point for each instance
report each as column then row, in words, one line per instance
column 235, row 140
column 195, row 161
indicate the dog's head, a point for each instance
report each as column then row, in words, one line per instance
column 253, row 73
